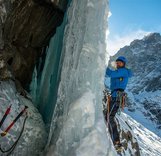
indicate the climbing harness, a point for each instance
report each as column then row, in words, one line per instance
column 120, row 99
column 4, row 133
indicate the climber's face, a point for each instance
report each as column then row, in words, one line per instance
column 120, row 64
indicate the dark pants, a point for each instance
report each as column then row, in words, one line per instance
column 114, row 106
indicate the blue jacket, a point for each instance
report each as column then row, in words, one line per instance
column 119, row 79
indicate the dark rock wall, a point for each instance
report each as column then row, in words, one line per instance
column 128, row 138
column 26, row 26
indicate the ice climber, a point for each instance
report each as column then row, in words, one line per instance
column 119, row 79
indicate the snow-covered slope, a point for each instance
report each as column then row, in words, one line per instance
column 34, row 136
column 149, row 143
column 144, row 89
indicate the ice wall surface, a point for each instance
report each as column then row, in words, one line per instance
column 45, row 83
column 78, row 126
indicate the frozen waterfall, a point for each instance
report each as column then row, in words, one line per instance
column 78, row 126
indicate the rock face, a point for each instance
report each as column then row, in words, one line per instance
column 127, row 136
column 136, row 139
column 144, row 58
column 125, row 129
column 33, row 137
column 26, row 26
column 61, row 4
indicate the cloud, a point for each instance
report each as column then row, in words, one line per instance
column 117, row 41
column 109, row 14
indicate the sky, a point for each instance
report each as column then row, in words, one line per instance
column 132, row 19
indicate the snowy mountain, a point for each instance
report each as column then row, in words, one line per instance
column 144, row 89
column 137, row 140
column 55, row 49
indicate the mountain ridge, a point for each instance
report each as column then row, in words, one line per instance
column 144, row 87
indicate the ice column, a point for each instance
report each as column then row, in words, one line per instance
column 78, row 126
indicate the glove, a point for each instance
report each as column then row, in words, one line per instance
column 113, row 64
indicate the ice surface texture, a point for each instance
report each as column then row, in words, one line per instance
column 78, row 126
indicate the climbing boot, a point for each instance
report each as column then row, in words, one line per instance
column 118, row 146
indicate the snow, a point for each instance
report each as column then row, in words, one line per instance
column 140, row 111
column 149, row 143
column 34, row 136
column 144, row 88
column 74, row 66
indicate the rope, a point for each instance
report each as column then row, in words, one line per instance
column 10, row 150
column 123, row 102
column 121, row 99
column 108, row 107
column 110, row 123
column 108, row 115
